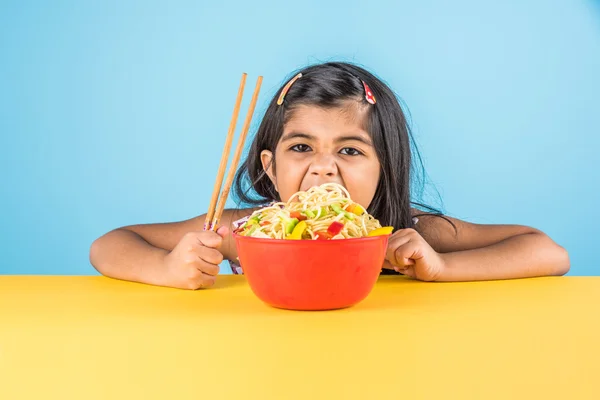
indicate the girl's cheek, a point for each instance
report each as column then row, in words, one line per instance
column 289, row 179
column 363, row 184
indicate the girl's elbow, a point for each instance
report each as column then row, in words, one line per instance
column 95, row 256
column 562, row 260
column 554, row 256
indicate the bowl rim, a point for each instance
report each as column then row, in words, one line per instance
column 320, row 242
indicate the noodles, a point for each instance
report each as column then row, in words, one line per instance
column 321, row 213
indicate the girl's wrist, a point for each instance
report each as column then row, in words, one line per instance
column 444, row 268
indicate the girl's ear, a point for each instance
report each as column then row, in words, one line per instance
column 266, row 158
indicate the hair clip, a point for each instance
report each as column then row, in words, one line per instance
column 286, row 88
column 369, row 94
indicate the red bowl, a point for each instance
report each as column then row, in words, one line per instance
column 311, row 274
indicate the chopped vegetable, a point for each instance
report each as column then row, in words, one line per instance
column 298, row 215
column 322, row 211
column 355, row 209
column 386, row 230
column 335, row 228
column 310, row 214
column 336, row 208
column 349, row 216
column 290, row 224
column 323, row 235
column 253, row 221
column 298, row 231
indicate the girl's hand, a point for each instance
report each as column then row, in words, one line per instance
column 194, row 262
column 409, row 254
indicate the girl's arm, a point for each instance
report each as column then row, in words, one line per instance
column 137, row 253
column 486, row 252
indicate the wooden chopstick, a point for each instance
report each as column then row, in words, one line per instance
column 211, row 224
column 225, row 155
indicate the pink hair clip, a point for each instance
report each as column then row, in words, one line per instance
column 369, row 94
column 286, row 88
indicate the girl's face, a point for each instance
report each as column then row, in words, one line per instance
column 321, row 145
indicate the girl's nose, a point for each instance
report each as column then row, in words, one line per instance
column 323, row 165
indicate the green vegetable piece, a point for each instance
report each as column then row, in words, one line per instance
column 349, row 216
column 290, row 224
column 309, row 214
column 336, row 208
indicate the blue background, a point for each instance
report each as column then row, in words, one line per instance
column 115, row 112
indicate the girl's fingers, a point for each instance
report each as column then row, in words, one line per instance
column 408, row 271
column 211, row 256
column 402, row 237
column 209, row 238
column 196, row 279
column 404, row 233
column 404, row 247
column 207, row 280
column 393, row 245
column 223, row 231
column 403, row 254
column 209, row 269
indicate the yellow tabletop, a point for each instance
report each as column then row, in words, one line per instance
column 97, row 338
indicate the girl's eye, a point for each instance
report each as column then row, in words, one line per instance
column 300, row 148
column 349, row 151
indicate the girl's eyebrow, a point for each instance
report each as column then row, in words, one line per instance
column 297, row 135
column 358, row 138
column 346, row 138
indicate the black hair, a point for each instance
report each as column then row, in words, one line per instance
column 332, row 85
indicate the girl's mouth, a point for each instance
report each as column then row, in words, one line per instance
column 305, row 188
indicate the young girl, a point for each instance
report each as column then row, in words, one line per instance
column 333, row 122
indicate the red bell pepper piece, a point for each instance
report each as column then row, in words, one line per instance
column 323, row 235
column 335, row 228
